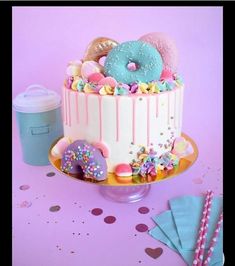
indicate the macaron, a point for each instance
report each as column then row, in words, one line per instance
column 123, row 173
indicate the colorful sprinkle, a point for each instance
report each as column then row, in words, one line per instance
column 55, row 208
column 50, row 174
column 24, row 187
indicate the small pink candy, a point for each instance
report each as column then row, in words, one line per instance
column 132, row 66
column 95, row 77
column 108, row 81
column 123, row 170
column 90, row 67
column 103, row 148
column 166, row 74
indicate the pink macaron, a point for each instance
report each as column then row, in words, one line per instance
column 123, row 173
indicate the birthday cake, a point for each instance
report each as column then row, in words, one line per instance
column 123, row 116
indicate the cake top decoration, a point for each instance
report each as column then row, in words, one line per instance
column 144, row 66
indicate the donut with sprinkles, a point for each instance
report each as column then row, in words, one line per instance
column 82, row 156
column 146, row 59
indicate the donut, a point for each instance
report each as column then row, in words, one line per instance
column 80, row 156
column 98, row 48
column 165, row 46
column 147, row 59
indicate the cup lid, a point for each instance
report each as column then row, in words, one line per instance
column 36, row 99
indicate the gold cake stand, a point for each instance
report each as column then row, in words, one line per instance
column 136, row 189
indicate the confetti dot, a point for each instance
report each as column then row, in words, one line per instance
column 24, row 187
column 97, row 211
column 141, row 228
column 197, row 181
column 143, row 210
column 25, row 204
column 55, row 208
column 50, row 174
column 109, row 219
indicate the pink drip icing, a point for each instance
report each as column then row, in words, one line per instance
column 133, row 120
column 117, row 118
column 86, row 100
column 100, row 116
column 156, row 105
column 69, row 108
column 179, row 116
column 77, row 112
column 175, row 111
column 65, row 108
column 168, row 110
column 148, row 122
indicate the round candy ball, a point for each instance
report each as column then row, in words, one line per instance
column 147, row 59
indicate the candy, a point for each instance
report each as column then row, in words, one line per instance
column 182, row 147
column 143, row 87
column 152, row 88
column 74, row 68
column 90, row 67
column 95, row 77
column 134, row 87
column 123, row 170
column 88, row 88
column 75, row 83
column 108, row 81
column 98, row 48
column 121, row 89
column 106, row 90
column 58, row 150
column 166, row 74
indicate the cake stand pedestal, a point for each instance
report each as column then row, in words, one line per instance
column 136, row 189
column 127, row 194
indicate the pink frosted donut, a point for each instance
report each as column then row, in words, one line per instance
column 165, row 46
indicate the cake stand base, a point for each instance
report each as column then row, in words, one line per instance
column 125, row 194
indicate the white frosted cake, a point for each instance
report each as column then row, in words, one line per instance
column 124, row 117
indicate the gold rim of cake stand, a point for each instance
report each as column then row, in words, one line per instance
column 184, row 164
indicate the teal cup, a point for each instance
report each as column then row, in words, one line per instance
column 38, row 114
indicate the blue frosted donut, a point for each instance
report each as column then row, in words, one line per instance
column 80, row 156
column 147, row 58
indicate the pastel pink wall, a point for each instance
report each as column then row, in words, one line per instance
column 46, row 38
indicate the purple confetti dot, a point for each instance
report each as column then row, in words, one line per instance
column 143, row 210
column 97, row 211
column 26, row 204
column 55, row 208
column 24, row 187
column 109, row 219
column 50, row 174
column 141, row 228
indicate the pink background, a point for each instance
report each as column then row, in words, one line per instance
column 44, row 40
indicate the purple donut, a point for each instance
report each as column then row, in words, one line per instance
column 80, row 155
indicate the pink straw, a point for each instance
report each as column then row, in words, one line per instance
column 202, row 233
column 213, row 240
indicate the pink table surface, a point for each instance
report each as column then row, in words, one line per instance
column 73, row 236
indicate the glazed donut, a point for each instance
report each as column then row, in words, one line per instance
column 80, row 156
column 147, row 58
column 98, row 48
column 165, row 46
